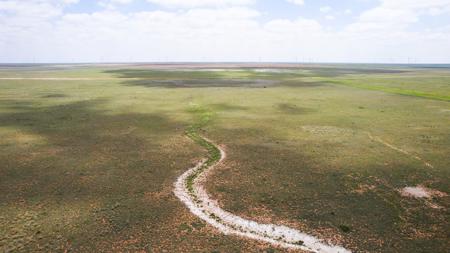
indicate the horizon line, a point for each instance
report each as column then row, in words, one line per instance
column 225, row 62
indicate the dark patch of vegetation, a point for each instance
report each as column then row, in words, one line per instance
column 227, row 107
column 270, row 250
column 198, row 225
column 345, row 228
column 213, row 155
column 299, row 242
column 185, row 227
column 293, row 109
column 202, row 83
column 209, row 79
column 55, row 96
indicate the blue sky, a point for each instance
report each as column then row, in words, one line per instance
column 225, row 30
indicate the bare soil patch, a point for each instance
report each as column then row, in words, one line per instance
column 421, row 192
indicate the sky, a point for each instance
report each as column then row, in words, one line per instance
column 370, row 31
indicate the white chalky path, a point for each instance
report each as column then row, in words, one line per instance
column 207, row 209
column 418, row 158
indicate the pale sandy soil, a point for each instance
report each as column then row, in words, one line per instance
column 207, row 209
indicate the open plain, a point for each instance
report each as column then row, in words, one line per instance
column 357, row 156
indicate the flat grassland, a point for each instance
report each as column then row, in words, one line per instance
column 90, row 153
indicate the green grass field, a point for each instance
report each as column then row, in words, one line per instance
column 90, row 153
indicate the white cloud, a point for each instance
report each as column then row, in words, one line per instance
column 40, row 29
column 112, row 4
column 297, row 2
column 415, row 4
column 300, row 25
column 399, row 14
column 121, row 1
column 200, row 3
column 325, row 9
